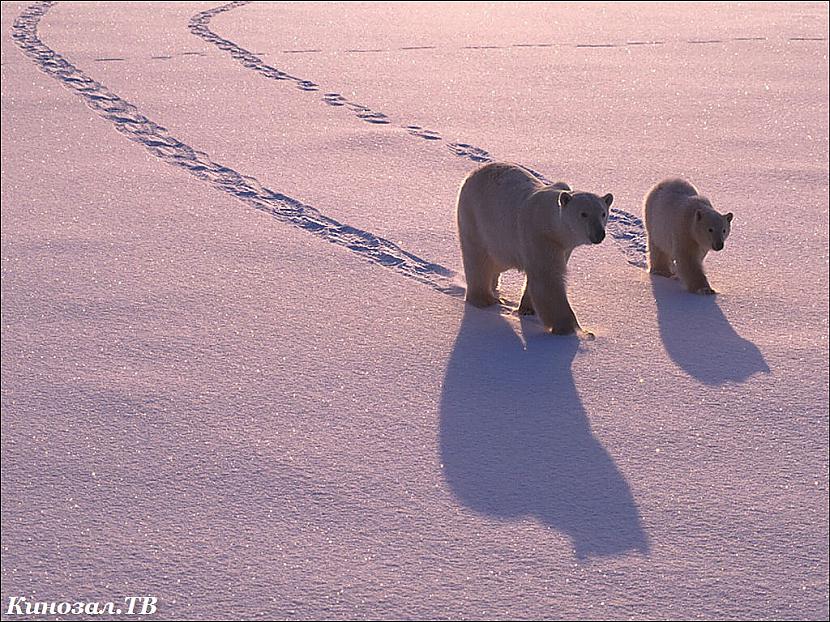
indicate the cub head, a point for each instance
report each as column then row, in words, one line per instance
column 711, row 228
column 585, row 215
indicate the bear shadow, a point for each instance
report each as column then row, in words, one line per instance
column 515, row 440
column 699, row 338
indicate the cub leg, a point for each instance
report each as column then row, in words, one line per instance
column 690, row 270
column 659, row 262
column 495, row 286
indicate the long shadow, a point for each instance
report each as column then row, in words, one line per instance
column 699, row 338
column 515, row 439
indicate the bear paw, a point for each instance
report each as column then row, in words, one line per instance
column 661, row 272
column 565, row 329
column 706, row 291
column 481, row 300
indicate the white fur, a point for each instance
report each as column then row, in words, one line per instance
column 682, row 228
column 507, row 219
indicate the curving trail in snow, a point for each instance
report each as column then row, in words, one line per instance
column 129, row 121
column 626, row 228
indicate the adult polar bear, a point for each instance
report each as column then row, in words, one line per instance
column 508, row 219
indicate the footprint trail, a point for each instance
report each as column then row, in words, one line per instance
column 625, row 228
column 136, row 127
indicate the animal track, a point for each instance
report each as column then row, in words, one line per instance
column 475, row 154
column 628, row 232
column 364, row 113
column 198, row 26
column 334, row 99
column 372, row 117
column 136, row 127
column 626, row 229
column 417, row 130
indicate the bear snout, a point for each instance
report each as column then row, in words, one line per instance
column 597, row 236
column 718, row 246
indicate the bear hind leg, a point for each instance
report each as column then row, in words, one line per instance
column 481, row 274
column 526, row 305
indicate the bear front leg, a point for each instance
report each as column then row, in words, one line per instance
column 690, row 270
column 526, row 305
column 659, row 262
column 550, row 301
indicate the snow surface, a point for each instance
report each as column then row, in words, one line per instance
column 237, row 383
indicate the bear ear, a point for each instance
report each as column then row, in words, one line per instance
column 729, row 217
column 698, row 215
column 565, row 198
column 608, row 199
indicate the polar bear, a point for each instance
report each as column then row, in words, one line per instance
column 682, row 227
column 508, row 219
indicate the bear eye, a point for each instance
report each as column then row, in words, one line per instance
column 724, row 231
column 603, row 214
column 584, row 215
column 711, row 230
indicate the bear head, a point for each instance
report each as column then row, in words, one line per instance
column 584, row 215
column 709, row 228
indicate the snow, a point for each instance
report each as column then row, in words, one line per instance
column 233, row 377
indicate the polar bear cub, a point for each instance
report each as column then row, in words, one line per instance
column 508, row 219
column 682, row 227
